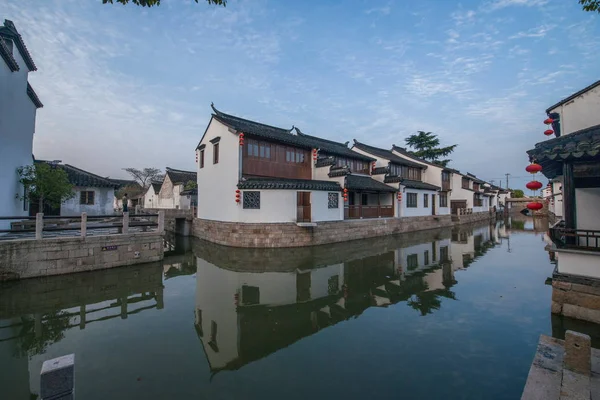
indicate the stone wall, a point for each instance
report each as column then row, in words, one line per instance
column 475, row 217
column 576, row 297
column 33, row 258
column 291, row 235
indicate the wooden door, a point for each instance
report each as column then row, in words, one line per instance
column 433, row 204
column 456, row 204
column 304, row 212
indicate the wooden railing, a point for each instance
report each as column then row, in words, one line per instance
column 584, row 239
column 354, row 212
column 50, row 223
column 464, row 211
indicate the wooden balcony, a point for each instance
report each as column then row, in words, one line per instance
column 358, row 211
column 581, row 239
column 446, row 186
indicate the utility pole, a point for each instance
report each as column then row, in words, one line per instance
column 507, row 174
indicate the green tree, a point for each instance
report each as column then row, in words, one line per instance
column 191, row 185
column 132, row 191
column 145, row 176
column 426, row 146
column 590, row 5
column 150, row 3
column 45, row 183
column 517, row 193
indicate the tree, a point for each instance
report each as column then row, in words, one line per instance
column 517, row 193
column 45, row 183
column 190, row 185
column 145, row 176
column 150, row 3
column 590, row 5
column 132, row 191
column 426, row 146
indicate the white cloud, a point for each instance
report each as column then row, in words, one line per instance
column 537, row 32
column 499, row 4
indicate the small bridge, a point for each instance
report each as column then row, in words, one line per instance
column 177, row 221
column 517, row 205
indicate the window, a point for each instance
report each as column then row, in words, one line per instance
column 364, row 200
column 443, row 199
column 202, row 158
column 87, row 198
column 333, row 200
column 264, row 150
column 433, row 252
column 357, row 166
column 444, row 253
column 426, row 257
column 250, row 295
column 411, row 200
column 412, row 261
column 216, row 153
column 405, row 172
column 425, row 200
column 213, row 336
column 252, row 200
column 477, row 200
column 476, row 186
column 259, row 149
column 333, row 284
column 445, row 176
column 465, row 183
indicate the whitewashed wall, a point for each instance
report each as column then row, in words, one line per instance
column 420, row 210
column 17, row 125
column 580, row 113
column 150, row 198
column 217, row 183
column 588, row 209
column 320, row 207
column 577, row 263
column 103, row 202
column 458, row 193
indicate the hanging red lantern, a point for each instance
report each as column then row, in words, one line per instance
column 237, row 196
column 535, row 206
column 534, row 185
column 345, row 194
column 315, row 154
column 533, row 168
column 548, row 121
column 399, row 196
column 548, row 132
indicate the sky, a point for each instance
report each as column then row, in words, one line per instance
column 125, row 86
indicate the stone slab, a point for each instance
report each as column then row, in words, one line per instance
column 57, row 377
column 545, row 374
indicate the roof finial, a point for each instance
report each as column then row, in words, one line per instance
column 212, row 105
column 298, row 131
column 347, row 143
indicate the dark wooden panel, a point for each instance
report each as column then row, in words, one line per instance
column 276, row 165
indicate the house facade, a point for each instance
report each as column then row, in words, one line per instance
column 171, row 191
column 571, row 160
column 18, row 107
column 151, row 195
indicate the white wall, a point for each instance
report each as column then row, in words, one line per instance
column 587, row 202
column 217, row 183
column 580, row 113
column 320, row 207
column 577, row 263
column 420, row 210
column 458, row 193
column 103, row 202
column 150, row 198
column 17, row 125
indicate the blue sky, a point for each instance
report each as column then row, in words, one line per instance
column 124, row 86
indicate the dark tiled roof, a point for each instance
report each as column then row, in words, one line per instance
column 338, row 171
column 574, row 95
column 9, row 31
column 575, row 146
column 325, row 162
column 387, row 154
column 79, row 177
column 474, row 178
column 418, row 185
column 392, row 179
column 366, row 183
column 331, row 147
column 286, row 136
column 156, row 186
column 178, row 176
column 288, row 184
column 33, row 96
column 190, row 192
column 380, row 170
column 7, row 56
column 407, row 153
column 123, row 182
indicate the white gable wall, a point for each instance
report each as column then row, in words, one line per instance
column 150, row 198
column 580, row 113
column 17, row 125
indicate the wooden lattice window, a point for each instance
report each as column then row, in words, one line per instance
column 333, row 200
column 252, row 200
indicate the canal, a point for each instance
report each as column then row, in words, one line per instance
column 443, row 314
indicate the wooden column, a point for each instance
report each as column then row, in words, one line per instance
column 568, row 190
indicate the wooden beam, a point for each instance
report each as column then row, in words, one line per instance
column 568, row 189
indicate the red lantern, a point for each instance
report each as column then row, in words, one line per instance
column 535, row 206
column 533, row 168
column 237, row 196
column 534, row 185
column 548, row 132
column 345, row 194
column 548, row 121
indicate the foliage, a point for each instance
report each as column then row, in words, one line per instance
column 45, row 183
column 150, row 3
column 517, row 194
column 52, row 327
column 590, row 5
column 145, row 176
column 426, row 145
column 132, row 191
column 190, row 185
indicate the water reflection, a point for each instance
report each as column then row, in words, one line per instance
column 228, row 308
column 251, row 303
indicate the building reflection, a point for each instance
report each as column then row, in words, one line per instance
column 250, row 303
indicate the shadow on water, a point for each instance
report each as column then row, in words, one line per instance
column 244, row 305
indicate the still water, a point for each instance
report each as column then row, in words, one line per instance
column 443, row 314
